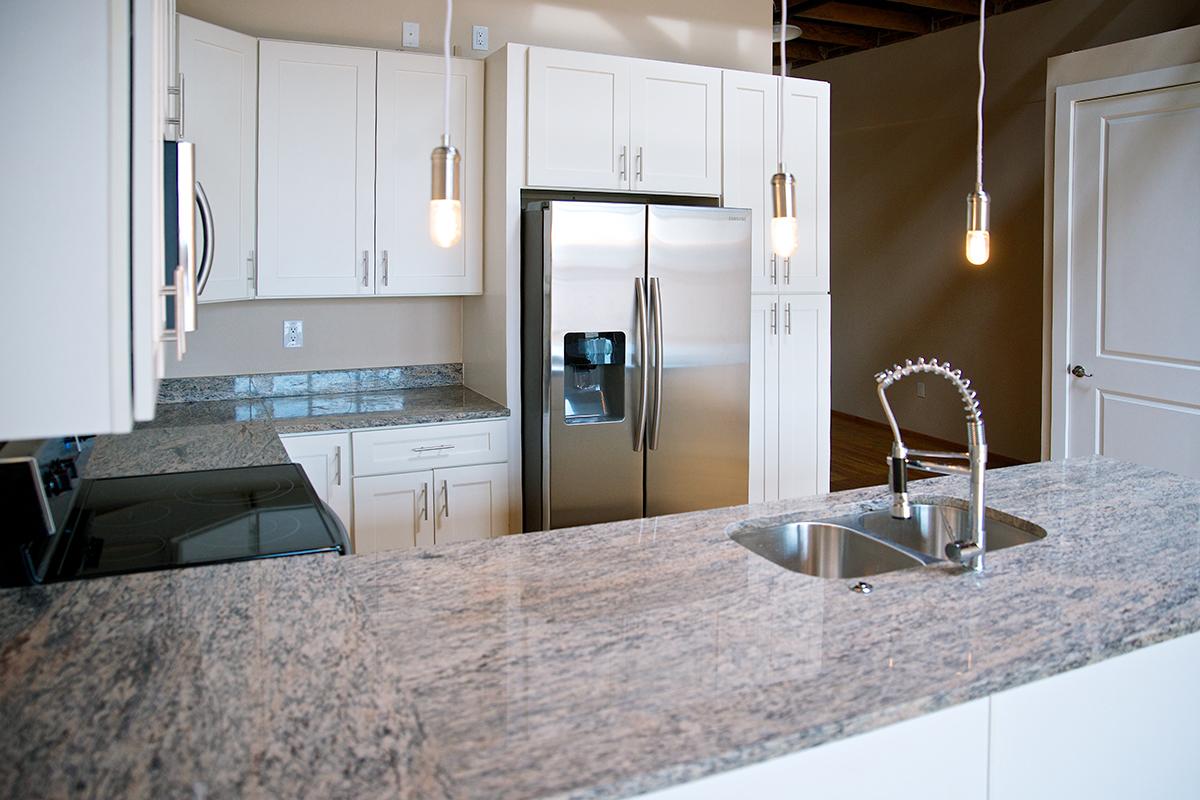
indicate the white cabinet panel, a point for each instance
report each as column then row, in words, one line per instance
column 675, row 128
column 409, row 127
column 418, row 447
column 750, row 157
column 325, row 459
column 221, row 112
column 316, row 156
column 803, row 395
column 578, row 118
column 806, row 156
column 764, row 398
column 472, row 503
column 393, row 512
column 1126, row 727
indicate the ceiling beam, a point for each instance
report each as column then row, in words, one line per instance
column 837, row 34
column 800, row 51
column 866, row 16
column 950, row 6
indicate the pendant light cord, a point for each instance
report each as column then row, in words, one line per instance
column 979, row 105
column 446, row 87
column 782, row 74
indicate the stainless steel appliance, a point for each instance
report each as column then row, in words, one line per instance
column 635, row 360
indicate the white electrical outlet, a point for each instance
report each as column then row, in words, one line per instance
column 412, row 34
column 293, row 333
column 479, row 37
column 920, row 388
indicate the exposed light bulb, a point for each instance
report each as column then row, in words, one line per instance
column 978, row 247
column 978, row 239
column 785, row 227
column 445, row 222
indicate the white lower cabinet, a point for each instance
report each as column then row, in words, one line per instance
column 325, row 459
column 419, row 509
column 789, row 396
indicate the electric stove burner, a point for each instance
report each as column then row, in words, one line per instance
column 255, row 492
column 134, row 516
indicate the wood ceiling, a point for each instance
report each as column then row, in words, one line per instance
column 832, row 28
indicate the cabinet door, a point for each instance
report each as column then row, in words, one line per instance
column 221, row 112
column 764, row 398
column 325, row 459
column 472, row 503
column 803, row 395
column 578, row 120
column 316, row 160
column 750, row 156
column 675, row 128
column 806, row 156
column 410, row 126
column 393, row 512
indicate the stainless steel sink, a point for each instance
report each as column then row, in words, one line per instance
column 858, row 545
column 935, row 525
column 824, row 549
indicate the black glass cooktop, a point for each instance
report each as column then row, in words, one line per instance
column 149, row 522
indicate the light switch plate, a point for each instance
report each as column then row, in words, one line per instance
column 293, row 333
column 479, row 37
column 412, row 34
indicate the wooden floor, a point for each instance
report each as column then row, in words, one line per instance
column 859, row 447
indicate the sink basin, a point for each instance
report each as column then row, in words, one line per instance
column 936, row 524
column 824, row 550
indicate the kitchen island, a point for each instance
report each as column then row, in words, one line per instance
column 601, row 661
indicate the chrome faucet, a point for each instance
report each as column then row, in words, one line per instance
column 967, row 551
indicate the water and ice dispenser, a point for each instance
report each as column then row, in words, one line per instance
column 594, row 379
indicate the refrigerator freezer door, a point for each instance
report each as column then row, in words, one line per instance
column 594, row 262
column 698, row 264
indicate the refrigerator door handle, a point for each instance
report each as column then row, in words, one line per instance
column 643, row 343
column 656, row 312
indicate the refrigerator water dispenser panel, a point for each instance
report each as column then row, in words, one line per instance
column 594, row 385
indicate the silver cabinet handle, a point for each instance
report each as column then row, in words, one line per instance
column 384, row 263
column 366, row 265
column 250, row 270
column 427, row 448
column 639, row 162
column 624, row 149
column 178, row 291
column 656, row 312
column 445, row 500
column 209, row 252
column 774, row 321
column 425, row 500
column 337, row 465
column 643, row 342
column 787, row 319
column 177, row 92
column 787, row 271
column 773, row 262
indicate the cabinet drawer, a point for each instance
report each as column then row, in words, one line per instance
column 429, row 446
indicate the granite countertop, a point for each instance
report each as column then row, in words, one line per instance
column 244, row 432
column 591, row 662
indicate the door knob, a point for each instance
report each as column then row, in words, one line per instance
column 1079, row 372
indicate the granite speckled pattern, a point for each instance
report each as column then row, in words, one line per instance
column 291, row 384
column 186, row 448
column 380, row 409
column 593, row 662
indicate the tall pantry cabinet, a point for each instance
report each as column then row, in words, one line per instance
column 789, row 366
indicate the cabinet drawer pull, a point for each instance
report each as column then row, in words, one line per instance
column 429, row 447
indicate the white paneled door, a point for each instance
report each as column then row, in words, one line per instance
column 316, row 157
column 1126, row 378
column 803, row 395
column 409, row 127
column 806, row 156
column 221, row 113
column 472, row 503
column 750, row 155
column 325, row 459
column 764, row 398
column 675, row 128
column 393, row 512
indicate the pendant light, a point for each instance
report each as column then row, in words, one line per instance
column 445, row 204
column 978, row 239
column 785, row 228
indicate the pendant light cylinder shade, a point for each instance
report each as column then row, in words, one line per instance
column 785, row 228
column 445, row 205
column 978, row 238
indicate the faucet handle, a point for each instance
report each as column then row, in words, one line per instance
column 961, row 551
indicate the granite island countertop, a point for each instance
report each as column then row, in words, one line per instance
column 591, row 662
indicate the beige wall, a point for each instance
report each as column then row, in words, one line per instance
column 735, row 35
column 237, row 338
column 902, row 164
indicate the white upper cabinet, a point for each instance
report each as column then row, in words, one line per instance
column 316, row 159
column 675, row 128
column 806, row 156
column 409, row 106
column 749, row 158
column 220, row 113
column 607, row 122
column 578, row 120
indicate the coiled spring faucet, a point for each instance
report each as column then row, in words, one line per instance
column 966, row 551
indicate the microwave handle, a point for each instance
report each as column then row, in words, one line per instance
column 209, row 225
column 186, row 194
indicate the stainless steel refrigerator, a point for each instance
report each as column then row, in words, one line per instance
column 635, row 360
